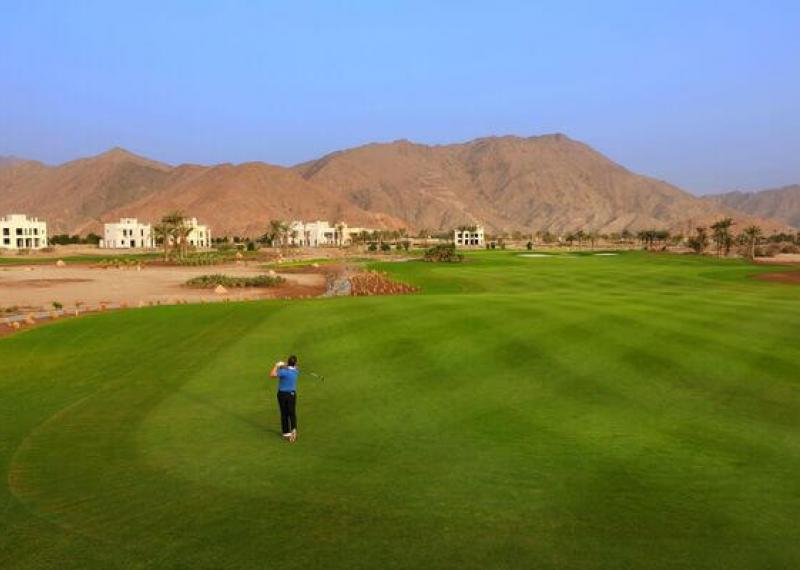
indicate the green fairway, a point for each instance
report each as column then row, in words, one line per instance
column 629, row 411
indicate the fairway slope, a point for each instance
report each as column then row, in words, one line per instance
column 628, row 411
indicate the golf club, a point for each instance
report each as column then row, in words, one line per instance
column 320, row 376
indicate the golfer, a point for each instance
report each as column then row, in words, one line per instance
column 287, row 374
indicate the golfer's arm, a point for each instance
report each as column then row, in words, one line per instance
column 274, row 373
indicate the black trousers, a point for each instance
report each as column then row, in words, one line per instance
column 286, row 402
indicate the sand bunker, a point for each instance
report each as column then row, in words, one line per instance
column 606, row 254
column 536, row 255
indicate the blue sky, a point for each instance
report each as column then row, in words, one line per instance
column 703, row 94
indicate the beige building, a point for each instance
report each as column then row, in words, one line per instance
column 200, row 234
column 322, row 233
column 469, row 236
column 17, row 231
column 127, row 233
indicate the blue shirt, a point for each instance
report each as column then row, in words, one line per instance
column 287, row 379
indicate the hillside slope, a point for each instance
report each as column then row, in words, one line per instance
column 549, row 182
column 779, row 203
column 507, row 183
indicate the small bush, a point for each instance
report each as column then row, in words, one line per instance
column 229, row 282
column 772, row 250
column 372, row 247
column 790, row 248
column 57, row 306
column 202, row 259
column 443, row 253
column 385, row 246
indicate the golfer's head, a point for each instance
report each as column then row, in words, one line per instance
column 291, row 361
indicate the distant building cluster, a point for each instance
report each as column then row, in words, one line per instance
column 131, row 233
column 18, row 231
column 322, row 233
column 469, row 236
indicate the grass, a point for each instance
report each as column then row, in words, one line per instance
column 211, row 281
column 569, row 412
column 77, row 259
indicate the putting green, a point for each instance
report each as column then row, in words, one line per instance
column 587, row 412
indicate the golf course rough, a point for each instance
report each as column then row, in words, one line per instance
column 630, row 411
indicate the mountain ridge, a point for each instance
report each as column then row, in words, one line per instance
column 545, row 182
column 782, row 203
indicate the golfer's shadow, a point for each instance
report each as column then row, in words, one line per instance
column 261, row 427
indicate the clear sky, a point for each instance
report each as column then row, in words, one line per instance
column 703, row 94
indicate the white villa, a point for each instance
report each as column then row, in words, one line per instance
column 200, row 234
column 127, row 233
column 469, row 236
column 17, row 231
column 322, row 233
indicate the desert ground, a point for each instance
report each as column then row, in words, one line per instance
column 38, row 286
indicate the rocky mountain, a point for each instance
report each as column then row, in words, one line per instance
column 78, row 196
column 779, row 203
column 544, row 183
column 507, row 183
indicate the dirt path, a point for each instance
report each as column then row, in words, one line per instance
column 792, row 277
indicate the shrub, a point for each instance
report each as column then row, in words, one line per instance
column 443, row 253
column 202, row 259
column 790, row 248
column 373, row 247
column 385, row 247
column 57, row 306
column 227, row 281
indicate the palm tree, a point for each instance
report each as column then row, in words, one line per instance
column 722, row 235
column 699, row 242
column 161, row 235
column 175, row 223
column 340, row 234
column 753, row 235
column 274, row 231
column 182, row 233
column 580, row 235
column 626, row 235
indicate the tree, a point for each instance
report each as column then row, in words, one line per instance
column 753, row 235
column 699, row 242
column 722, row 235
column 161, row 234
column 274, row 232
column 580, row 235
column 340, row 234
column 92, row 238
column 661, row 236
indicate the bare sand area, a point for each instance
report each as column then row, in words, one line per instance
column 792, row 277
column 37, row 287
column 779, row 259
